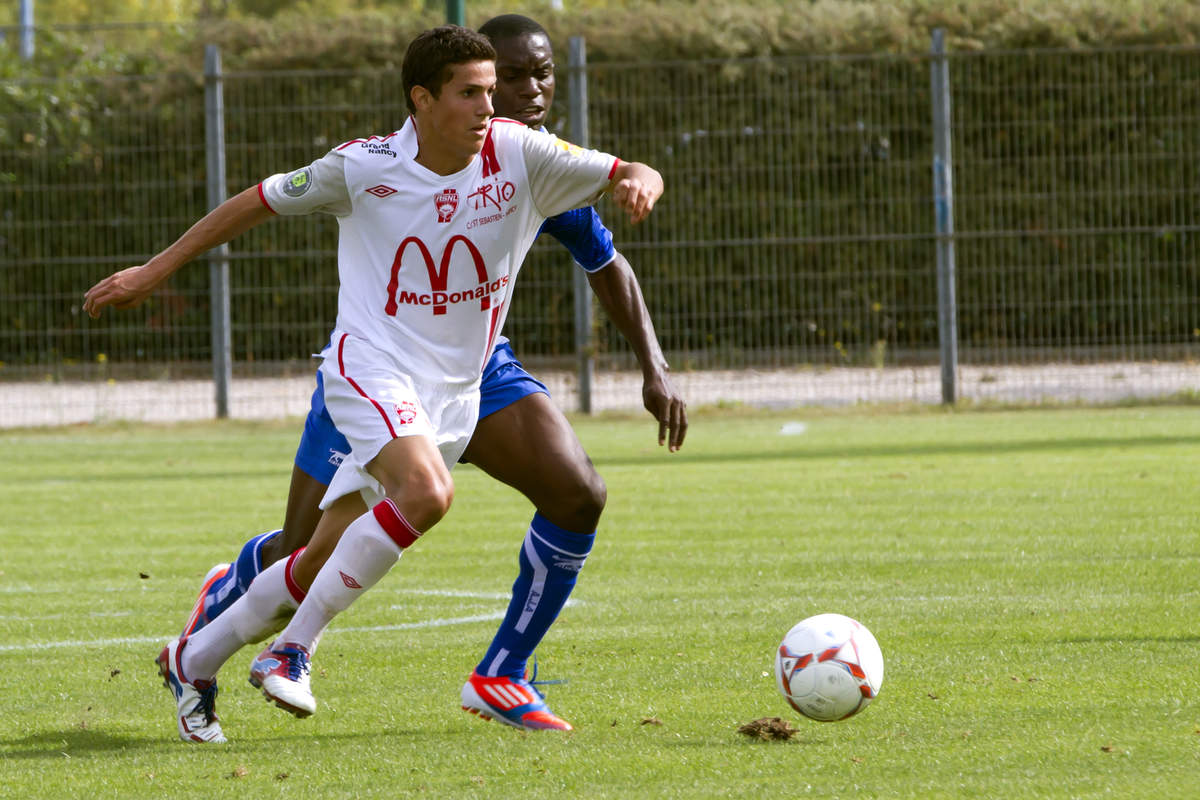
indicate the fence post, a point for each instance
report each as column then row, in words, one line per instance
column 578, row 115
column 943, row 205
column 218, row 265
column 26, row 36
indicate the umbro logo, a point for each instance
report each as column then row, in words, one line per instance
column 381, row 190
column 350, row 582
column 569, row 564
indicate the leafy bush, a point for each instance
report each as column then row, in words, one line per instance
column 798, row 226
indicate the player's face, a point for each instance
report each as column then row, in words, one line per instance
column 459, row 114
column 524, row 78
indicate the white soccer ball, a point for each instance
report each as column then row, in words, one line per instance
column 829, row 667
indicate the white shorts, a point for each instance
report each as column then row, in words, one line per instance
column 372, row 401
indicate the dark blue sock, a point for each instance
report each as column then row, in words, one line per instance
column 223, row 593
column 550, row 560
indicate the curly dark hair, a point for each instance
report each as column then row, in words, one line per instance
column 509, row 26
column 432, row 56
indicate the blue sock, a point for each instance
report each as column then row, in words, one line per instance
column 223, row 593
column 550, row 562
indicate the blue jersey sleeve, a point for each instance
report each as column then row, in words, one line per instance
column 584, row 236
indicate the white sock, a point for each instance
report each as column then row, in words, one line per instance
column 365, row 553
column 254, row 616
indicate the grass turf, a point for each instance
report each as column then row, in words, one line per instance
column 1030, row 576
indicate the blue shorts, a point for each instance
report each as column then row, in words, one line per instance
column 322, row 447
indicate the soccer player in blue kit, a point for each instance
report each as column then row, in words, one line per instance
column 521, row 439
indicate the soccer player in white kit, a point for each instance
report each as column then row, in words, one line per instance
column 429, row 247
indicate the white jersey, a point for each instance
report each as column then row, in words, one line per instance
column 427, row 262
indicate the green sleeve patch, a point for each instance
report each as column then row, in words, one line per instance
column 297, row 183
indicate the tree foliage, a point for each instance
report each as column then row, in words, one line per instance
column 101, row 164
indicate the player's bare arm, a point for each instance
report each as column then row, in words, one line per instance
column 635, row 188
column 617, row 289
column 130, row 287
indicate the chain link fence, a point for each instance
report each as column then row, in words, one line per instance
column 792, row 261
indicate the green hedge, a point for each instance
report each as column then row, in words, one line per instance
column 822, row 255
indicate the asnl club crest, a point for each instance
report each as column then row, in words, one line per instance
column 446, row 203
column 406, row 412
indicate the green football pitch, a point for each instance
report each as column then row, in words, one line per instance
column 1031, row 577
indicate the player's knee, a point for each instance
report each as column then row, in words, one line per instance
column 593, row 495
column 439, row 498
column 424, row 499
column 578, row 506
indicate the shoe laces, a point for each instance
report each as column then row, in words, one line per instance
column 207, row 704
column 297, row 661
column 534, row 683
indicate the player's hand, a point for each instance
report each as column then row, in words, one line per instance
column 636, row 190
column 124, row 289
column 635, row 198
column 667, row 405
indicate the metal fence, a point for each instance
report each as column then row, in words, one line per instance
column 792, row 262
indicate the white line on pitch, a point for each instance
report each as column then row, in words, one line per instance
column 12, row 648
column 457, row 593
column 24, row 618
column 403, row 626
column 468, row 595
column 428, row 623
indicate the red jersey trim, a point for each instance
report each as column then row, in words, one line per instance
column 368, row 139
column 613, row 171
column 357, row 388
column 491, row 164
column 263, row 198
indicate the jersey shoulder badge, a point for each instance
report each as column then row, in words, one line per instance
column 297, row 182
